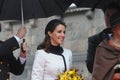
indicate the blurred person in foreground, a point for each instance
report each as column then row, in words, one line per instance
column 108, row 53
column 95, row 40
column 8, row 62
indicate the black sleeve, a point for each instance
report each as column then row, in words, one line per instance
column 93, row 42
column 15, row 65
column 8, row 46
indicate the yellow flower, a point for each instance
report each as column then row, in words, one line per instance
column 70, row 75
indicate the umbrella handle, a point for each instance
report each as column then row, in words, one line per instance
column 22, row 46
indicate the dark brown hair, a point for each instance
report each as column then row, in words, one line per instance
column 50, row 27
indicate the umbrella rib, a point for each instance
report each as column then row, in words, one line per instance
column 1, row 6
column 42, row 7
column 95, row 5
column 59, row 5
column 22, row 13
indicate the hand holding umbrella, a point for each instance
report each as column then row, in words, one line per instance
column 21, row 32
column 25, row 50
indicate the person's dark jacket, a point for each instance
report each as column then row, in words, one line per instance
column 93, row 42
column 8, row 63
column 105, row 59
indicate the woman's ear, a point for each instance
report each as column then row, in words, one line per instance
column 49, row 33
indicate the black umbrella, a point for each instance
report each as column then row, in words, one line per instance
column 30, row 9
column 54, row 7
column 99, row 4
column 14, row 9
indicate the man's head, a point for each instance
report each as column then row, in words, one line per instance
column 109, row 10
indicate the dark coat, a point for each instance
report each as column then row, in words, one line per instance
column 93, row 42
column 8, row 62
column 105, row 59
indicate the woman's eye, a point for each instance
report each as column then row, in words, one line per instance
column 59, row 31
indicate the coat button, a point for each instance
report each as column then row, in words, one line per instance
column 7, row 79
column 8, row 65
column 14, row 48
column 8, row 72
column 1, row 62
column 0, row 70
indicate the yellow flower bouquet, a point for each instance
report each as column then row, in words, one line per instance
column 72, row 74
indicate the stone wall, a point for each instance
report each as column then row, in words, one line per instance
column 80, row 25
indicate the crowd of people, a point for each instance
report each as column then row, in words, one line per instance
column 103, row 54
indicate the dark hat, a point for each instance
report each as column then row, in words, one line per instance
column 112, row 5
column 114, row 20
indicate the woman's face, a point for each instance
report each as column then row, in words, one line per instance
column 58, row 35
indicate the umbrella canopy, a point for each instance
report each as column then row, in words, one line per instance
column 11, row 9
column 99, row 4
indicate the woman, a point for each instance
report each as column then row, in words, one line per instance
column 51, row 59
column 108, row 53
